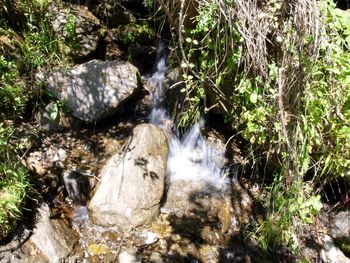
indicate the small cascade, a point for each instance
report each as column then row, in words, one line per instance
column 195, row 180
column 190, row 158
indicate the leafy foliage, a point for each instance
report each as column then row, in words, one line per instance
column 11, row 91
column 133, row 32
column 326, row 101
column 210, row 52
column 279, row 73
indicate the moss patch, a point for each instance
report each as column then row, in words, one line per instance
column 135, row 33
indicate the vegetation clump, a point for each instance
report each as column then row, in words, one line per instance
column 278, row 71
column 25, row 45
column 135, row 33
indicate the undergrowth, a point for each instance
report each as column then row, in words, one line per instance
column 279, row 73
column 26, row 44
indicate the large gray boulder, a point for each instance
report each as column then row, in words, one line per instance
column 95, row 89
column 132, row 182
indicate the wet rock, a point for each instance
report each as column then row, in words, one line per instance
column 216, row 141
column 95, row 89
column 156, row 258
column 94, row 259
column 199, row 210
column 242, row 203
column 80, row 29
column 42, row 161
column 142, row 57
column 77, row 186
column 60, row 155
column 331, row 253
column 80, row 214
column 175, row 100
column 149, row 237
column 132, row 182
column 51, row 238
column 34, row 163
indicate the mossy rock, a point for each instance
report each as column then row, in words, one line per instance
column 135, row 33
column 77, row 28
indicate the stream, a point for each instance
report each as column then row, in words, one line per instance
column 189, row 218
column 190, row 157
column 113, row 178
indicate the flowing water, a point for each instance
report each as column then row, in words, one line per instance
column 190, row 160
column 190, row 157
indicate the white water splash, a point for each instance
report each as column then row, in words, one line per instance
column 190, row 158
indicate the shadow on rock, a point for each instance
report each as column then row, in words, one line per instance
column 207, row 223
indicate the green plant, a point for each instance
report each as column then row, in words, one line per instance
column 70, row 28
column 14, row 183
column 315, row 137
column 210, row 53
column 36, row 48
column 287, row 211
column 11, row 90
column 135, row 33
column 40, row 46
column 279, row 74
column 327, row 98
column 148, row 3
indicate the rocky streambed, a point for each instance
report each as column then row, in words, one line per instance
column 107, row 195
column 116, row 182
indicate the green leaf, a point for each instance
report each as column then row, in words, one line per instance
column 184, row 65
column 54, row 112
column 253, row 98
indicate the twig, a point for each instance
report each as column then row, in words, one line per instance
column 167, row 12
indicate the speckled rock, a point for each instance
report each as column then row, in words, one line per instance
column 132, row 182
column 79, row 28
column 95, row 89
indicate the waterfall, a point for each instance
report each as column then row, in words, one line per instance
column 190, row 158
